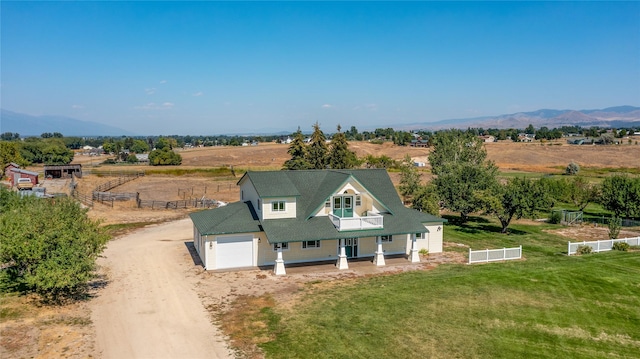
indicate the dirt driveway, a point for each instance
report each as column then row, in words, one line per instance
column 149, row 308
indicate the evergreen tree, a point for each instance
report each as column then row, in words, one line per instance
column 317, row 151
column 339, row 154
column 298, row 152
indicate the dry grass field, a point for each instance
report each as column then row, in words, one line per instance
column 508, row 156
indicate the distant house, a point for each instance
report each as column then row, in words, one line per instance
column 488, row 138
column 313, row 216
column 525, row 137
column 419, row 143
column 142, row 157
column 63, row 171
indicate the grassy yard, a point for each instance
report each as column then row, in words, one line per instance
column 546, row 306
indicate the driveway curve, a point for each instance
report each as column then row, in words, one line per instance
column 149, row 308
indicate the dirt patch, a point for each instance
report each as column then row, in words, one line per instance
column 33, row 331
column 592, row 232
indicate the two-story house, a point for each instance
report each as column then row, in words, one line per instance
column 313, row 215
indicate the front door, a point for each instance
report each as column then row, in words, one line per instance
column 350, row 248
column 343, row 206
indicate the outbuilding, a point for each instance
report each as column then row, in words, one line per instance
column 64, row 171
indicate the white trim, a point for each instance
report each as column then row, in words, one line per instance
column 304, row 245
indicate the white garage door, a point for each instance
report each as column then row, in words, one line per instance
column 234, row 251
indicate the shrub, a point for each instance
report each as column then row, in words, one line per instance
column 621, row 246
column 615, row 224
column 48, row 246
column 583, row 250
column 555, row 217
column 572, row 169
column 424, row 252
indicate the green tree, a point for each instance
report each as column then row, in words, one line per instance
column 621, row 195
column 164, row 157
column 298, row 152
column 340, row 156
column 426, row 199
column 317, row 150
column 580, row 192
column 518, row 198
column 139, row 146
column 10, row 152
column 48, row 247
column 572, row 169
column 409, row 179
column 459, row 162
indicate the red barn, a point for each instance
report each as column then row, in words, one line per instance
column 13, row 172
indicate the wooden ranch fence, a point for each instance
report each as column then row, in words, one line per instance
column 194, row 203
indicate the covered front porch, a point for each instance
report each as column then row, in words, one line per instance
column 349, row 251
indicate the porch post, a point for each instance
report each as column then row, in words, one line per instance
column 378, row 260
column 342, row 258
column 415, row 256
column 278, row 269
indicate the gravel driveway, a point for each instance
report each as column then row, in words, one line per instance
column 149, row 308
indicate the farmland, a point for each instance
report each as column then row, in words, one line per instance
column 546, row 305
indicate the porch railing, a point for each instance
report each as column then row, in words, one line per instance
column 357, row 223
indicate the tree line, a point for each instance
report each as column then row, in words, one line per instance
column 467, row 182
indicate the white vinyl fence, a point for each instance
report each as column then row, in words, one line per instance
column 490, row 255
column 601, row 246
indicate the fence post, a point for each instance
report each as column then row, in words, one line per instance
column 520, row 252
column 568, row 248
column 487, row 252
column 504, row 253
column 469, row 255
column 598, row 245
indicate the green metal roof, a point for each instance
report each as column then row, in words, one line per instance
column 237, row 217
column 312, row 188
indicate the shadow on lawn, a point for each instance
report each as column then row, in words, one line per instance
column 476, row 225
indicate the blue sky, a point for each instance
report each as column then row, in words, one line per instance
column 230, row 67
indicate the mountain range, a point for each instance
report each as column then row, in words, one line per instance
column 27, row 125
column 619, row 116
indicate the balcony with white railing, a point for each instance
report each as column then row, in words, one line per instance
column 357, row 223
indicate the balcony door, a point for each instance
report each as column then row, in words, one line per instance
column 343, row 206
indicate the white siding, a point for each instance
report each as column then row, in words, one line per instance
column 248, row 192
column 432, row 240
column 289, row 208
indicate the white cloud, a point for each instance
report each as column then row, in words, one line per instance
column 152, row 106
column 197, row 94
column 77, row 107
column 150, row 91
column 163, row 81
column 326, row 105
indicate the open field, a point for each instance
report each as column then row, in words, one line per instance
column 530, row 157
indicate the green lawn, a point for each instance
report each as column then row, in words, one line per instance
column 546, row 306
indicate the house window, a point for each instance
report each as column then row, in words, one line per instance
column 310, row 244
column 358, row 201
column 337, row 202
column 420, row 235
column 285, row 246
column 277, row 206
column 386, row 239
column 327, row 204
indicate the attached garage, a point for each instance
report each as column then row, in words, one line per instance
column 234, row 251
